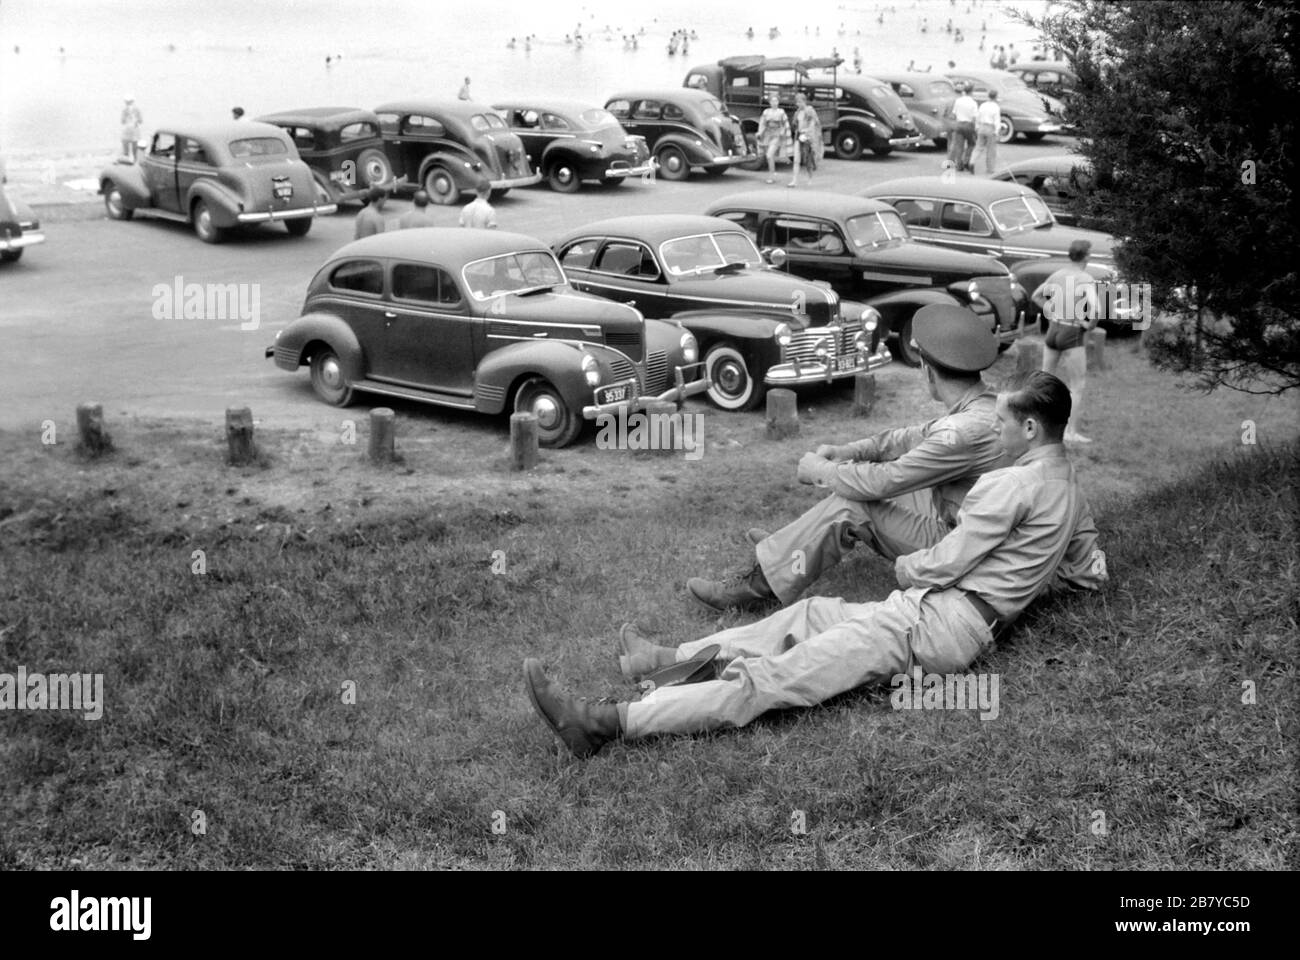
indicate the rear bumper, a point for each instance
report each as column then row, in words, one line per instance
column 262, row 217
column 679, row 392
column 819, row 371
column 28, row 239
column 612, row 173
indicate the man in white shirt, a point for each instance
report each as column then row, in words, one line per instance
column 987, row 120
column 964, row 111
column 478, row 213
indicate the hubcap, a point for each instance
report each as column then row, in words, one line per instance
column 850, row 144
column 547, row 412
column 375, row 172
column 564, row 175
column 205, row 222
column 731, row 378
column 330, row 373
column 115, row 202
column 674, row 162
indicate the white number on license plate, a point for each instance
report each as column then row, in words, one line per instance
column 846, row 363
column 614, row 394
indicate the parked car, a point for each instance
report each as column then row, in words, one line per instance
column 571, row 142
column 341, row 145
column 449, row 147
column 1059, row 179
column 757, row 327
column 480, row 320
column 1056, row 78
column 1023, row 110
column 216, row 176
column 19, row 228
column 1003, row 220
column 683, row 129
column 857, row 112
column 863, row 250
column 929, row 98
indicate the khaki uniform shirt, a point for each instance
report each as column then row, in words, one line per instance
column 1024, row 530
column 948, row 454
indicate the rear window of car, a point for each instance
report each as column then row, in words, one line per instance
column 362, row 130
column 596, row 117
column 416, row 281
column 553, row 121
column 257, row 147
column 359, row 276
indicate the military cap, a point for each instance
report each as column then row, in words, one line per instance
column 954, row 337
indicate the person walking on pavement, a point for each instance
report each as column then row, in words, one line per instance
column 898, row 491
column 131, row 122
column 964, row 111
column 1025, row 530
column 988, row 120
column 478, row 212
column 808, row 138
column 773, row 135
column 1069, row 300
column 419, row 215
column 371, row 218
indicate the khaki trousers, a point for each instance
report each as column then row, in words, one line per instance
column 809, row 652
column 794, row 557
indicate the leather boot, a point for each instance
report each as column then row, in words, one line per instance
column 744, row 591
column 583, row 725
column 637, row 656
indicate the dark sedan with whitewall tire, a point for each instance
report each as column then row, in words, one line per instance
column 863, row 250
column 450, row 147
column 481, row 320
column 216, row 177
column 571, row 142
column 683, row 129
column 342, row 146
column 757, row 327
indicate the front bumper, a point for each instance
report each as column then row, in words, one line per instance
column 319, row 210
column 510, row 183
column 646, row 168
column 1037, row 126
column 27, row 239
column 730, row 159
column 914, row 141
column 823, row 371
column 676, row 394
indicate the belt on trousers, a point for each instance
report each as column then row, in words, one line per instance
column 986, row 612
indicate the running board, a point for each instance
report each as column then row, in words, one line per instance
column 153, row 213
column 411, row 393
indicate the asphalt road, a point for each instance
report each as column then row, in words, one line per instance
column 77, row 314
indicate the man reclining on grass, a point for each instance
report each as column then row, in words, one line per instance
column 1022, row 531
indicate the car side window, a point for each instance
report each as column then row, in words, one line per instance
column 904, row 90
column 647, row 110
column 164, row 145
column 964, row 217
column 629, row 260
column 551, row 121
column 388, row 123
column 673, row 112
column 422, row 126
column 915, row 213
column 747, row 220
column 416, row 281
column 697, row 81
column 359, row 276
column 619, row 108
column 192, row 152
column 302, row 138
column 804, row 236
column 579, row 255
column 364, row 130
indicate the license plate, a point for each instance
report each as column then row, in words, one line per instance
column 846, row 363
column 283, row 189
column 616, row 392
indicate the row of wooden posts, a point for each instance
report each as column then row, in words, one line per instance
column 782, row 416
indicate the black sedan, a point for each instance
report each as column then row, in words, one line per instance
column 571, row 142
column 683, row 129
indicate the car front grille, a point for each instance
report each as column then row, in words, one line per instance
column 628, row 342
column 839, row 339
column 656, row 373
column 624, row 369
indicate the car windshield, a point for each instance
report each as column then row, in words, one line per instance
column 596, row 117
column 708, row 251
column 876, row 229
column 487, row 121
column 257, row 147
column 1020, row 213
column 512, row 273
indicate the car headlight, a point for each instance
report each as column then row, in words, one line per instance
column 590, row 370
column 783, row 334
column 690, row 349
column 973, row 291
column 870, row 319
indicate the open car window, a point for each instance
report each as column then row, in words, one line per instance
column 512, row 273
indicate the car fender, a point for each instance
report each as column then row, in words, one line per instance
column 695, row 153
column 929, row 125
column 293, row 343
column 130, row 184
column 897, row 306
column 223, row 202
column 868, row 127
column 466, row 177
column 558, row 361
column 22, row 212
column 561, row 150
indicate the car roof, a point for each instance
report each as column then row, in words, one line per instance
column 223, row 131
column 809, row 203
column 431, row 106
column 975, row 189
column 662, row 93
column 912, row 77
column 655, row 228
column 988, row 76
column 757, row 62
column 1056, row 164
column 544, row 105
column 451, row 245
column 319, row 116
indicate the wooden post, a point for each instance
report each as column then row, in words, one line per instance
column 1095, row 347
column 864, row 394
column 660, row 425
column 782, row 414
column 383, row 431
column 239, row 436
column 1029, row 355
column 523, row 441
column 90, row 424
